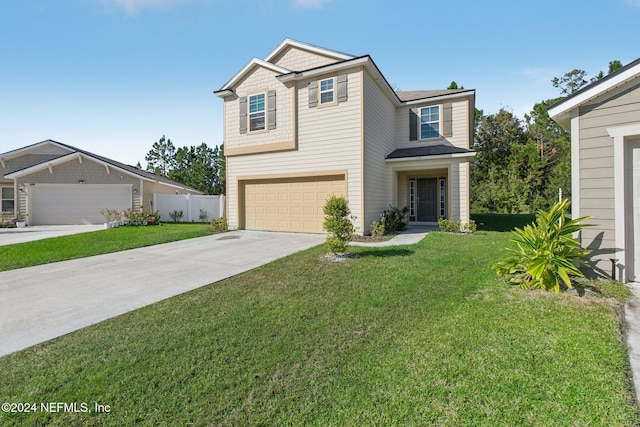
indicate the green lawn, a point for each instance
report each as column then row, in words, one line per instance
column 417, row 335
column 94, row 243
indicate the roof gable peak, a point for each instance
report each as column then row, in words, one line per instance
column 287, row 42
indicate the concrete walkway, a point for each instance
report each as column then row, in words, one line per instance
column 412, row 235
column 10, row 236
column 43, row 302
column 632, row 325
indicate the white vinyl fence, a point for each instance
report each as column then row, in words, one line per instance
column 191, row 206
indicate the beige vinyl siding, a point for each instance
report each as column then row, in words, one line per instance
column 259, row 80
column 295, row 59
column 379, row 140
column 596, row 167
column 460, row 130
column 458, row 185
column 328, row 140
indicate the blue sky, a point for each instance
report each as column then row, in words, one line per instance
column 113, row 76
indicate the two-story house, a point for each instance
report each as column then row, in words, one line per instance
column 307, row 122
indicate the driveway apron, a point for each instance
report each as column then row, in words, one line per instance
column 47, row 301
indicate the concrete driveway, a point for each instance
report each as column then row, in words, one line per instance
column 10, row 236
column 43, row 302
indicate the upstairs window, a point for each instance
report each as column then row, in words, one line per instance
column 326, row 91
column 8, row 200
column 257, row 112
column 430, row 122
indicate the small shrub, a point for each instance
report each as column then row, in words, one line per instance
column 219, row 225
column 337, row 221
column 204, row 216
column 469, row 227
column 176, row 216
column 545, row 251
column 393, row 219
column 154, row 218
column 377, row 230
column 450, row 226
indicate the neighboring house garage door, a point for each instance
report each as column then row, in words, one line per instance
column 291, row 204
column 75, row 203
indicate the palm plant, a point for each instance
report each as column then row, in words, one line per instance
column 546, row 253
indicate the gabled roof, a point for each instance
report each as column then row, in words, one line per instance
column 561, row 110
column 75, row 153
column 309, row 47
column 266, row 62
column 416, row 95
column 343, row 61
column 255, row 62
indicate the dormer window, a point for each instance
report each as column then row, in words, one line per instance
column 326, row 91
column 257, row 112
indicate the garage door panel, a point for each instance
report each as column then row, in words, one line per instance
column 75, row 204
column 294, row 204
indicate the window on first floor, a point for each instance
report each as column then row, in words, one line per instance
column 257, row 106
column 7, row 199
column 430, row 122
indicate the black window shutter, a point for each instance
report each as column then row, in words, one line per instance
column 342, row 88
column 313, row 94
column 413, row 125
column 447, row 120
column 272, row 109
column 243, row 114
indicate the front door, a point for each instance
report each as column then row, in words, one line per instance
column 427, row 200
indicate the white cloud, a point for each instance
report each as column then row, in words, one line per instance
column 634, row 3
column 131, row 7
column 310, row 4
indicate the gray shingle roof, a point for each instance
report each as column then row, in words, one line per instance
column 430, row 150
column 413, row 95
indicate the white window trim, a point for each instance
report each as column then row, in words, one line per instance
column 264, row 112
column 334, row 94
column 3, row 199
column 420, row 138
column 442, row 197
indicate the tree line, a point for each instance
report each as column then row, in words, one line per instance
column 200, row 167
column 520, row 166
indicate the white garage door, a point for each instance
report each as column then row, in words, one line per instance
column 75, row 203
column 291, row 204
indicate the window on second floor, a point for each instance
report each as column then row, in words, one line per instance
column 430, row 122
column 326, row 91
column 257, row 112
column 7, row 199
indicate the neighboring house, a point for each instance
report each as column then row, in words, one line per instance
column 54, row 183
column 604, row 121
column 307, row 122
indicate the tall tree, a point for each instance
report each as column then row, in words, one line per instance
column 197, row 167
column 614, row 65
column 571, row 82
column 161, row 158
column 496, row 181
column 221, row 182
column 454, row 85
